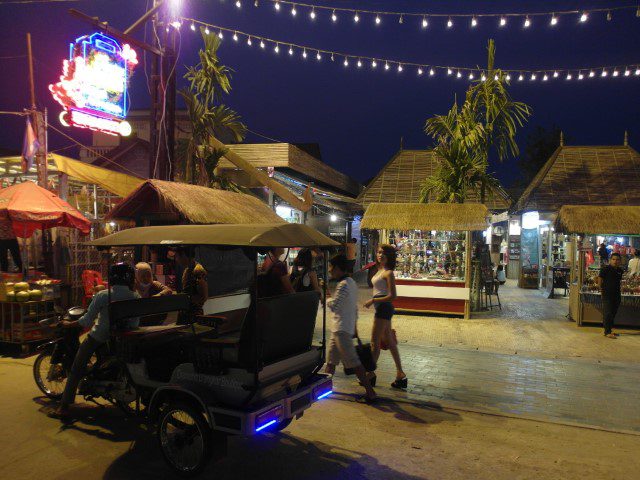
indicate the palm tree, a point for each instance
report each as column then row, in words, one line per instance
column 488, row 119
column 209, row 82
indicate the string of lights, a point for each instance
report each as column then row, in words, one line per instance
column 420, row 69
column 422, row 19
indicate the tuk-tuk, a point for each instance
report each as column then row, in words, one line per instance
column 247, row 365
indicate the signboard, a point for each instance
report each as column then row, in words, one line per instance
column 93, row 86
column 514, row 247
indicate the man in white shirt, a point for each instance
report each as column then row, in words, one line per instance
column 344, row 306
column 634, row 264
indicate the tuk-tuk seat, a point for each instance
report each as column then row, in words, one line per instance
column 287, row 323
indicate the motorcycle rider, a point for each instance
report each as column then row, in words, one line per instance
column 122, row 278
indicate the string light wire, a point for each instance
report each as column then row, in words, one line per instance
column 401, row 65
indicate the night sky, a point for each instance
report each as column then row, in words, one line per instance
column 357, row 116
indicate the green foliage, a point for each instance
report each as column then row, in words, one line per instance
column 487, row 121
column 209, row 82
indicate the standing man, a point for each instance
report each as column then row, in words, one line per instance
column 604, row 253
column 609, row 283
column 350, row 252
column 9, row 242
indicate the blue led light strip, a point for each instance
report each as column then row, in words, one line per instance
column 325, row 394
column 266, row 425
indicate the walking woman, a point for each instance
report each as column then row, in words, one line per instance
column 384, row 292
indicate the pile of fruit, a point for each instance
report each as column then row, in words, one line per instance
column 20, row 292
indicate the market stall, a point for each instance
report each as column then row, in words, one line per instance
column 29, row 296
column 433, row 273
column 590, row 226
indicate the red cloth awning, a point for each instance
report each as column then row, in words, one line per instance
column 30, row 208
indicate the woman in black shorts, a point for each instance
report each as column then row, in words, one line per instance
column 384, row 292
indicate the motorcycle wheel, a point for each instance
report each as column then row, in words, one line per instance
column 50, row 378
column 185, row 438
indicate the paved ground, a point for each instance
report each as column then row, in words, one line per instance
column 529, row 324
column 337, row 439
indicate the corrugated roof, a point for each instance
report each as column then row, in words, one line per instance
column 400, row 181
column 583, row 175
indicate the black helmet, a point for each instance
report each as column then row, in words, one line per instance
column 121, row 274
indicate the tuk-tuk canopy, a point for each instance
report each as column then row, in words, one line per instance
column 246, row 235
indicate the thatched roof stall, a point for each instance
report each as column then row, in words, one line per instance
column 601, row 220
column 183, row 203
column 450, row 217
column 400, row 181
column 603, row 175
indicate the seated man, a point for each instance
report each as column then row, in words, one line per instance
column 194, row 284
column 121, row 282
column 146, row 286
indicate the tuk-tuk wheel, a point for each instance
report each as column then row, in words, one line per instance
column 185, row 438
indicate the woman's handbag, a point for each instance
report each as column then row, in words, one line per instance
column 366, row 358
column 383, row 343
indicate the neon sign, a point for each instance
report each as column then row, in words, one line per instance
column 93, row 85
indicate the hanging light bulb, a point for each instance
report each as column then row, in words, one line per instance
column 474, row 22
column 554, row 20
column 555, row 74
column 533, row 76
column 193, row 27
column 256, row 4
column 220, row 35
column 592, row 74
column 401, row 19
column 627, row 72
column 609, row 16
column 334, row 17
column 495, row 77
column 458, row 75
column 399, row 68
column 359, row 63
column 313, row 14
column 521, row 78
column 483, row 77
column 425, row 23
column 294, row 12
column 206, row 31
column 545, row 78
column 584, row 17
column 277, row 6
column 432, row 72
column 580, row 76
column 637, row 72
column 262, row 44
column 238, row 4
column 276, row 48
column 615, row 73
column 235, row 36
column 346, row 62
column 508, row 77
column 373, row 64
column 503, row 21
column 386, row 66
column 378, row 20
column 604, row 73
column 569, row 76
column 332, row 58
column 318, row 56
column 249, row 41
column 356, row 18
column 471, row 76
column 449, row 23
column 420, row 71
column 304, row 53
column 527, row 22
column 290, row 50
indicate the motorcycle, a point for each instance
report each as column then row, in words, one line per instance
column 105, row 376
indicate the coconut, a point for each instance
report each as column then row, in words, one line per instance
column 22, row 296
column 35, row 295
column 21, row 287
column 11, row 296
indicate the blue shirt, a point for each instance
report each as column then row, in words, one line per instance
column 97, row 315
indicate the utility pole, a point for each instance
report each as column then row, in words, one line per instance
column 39, row 122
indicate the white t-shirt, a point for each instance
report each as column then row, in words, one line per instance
column 634, row 266
column 344, row 306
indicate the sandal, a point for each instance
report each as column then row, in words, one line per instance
column 400, row 383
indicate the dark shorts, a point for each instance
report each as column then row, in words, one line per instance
column 384, row 310
column 351, row 265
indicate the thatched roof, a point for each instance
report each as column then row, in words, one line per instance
column 604, row 175
column 183, row 203
column 400, row 181
column 609, row 220
column 426, row 216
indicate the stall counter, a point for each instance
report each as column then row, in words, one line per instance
column 431, row 295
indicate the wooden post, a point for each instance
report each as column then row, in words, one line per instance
column 467, row 274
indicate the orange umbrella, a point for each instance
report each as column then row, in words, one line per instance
column 30, row 208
